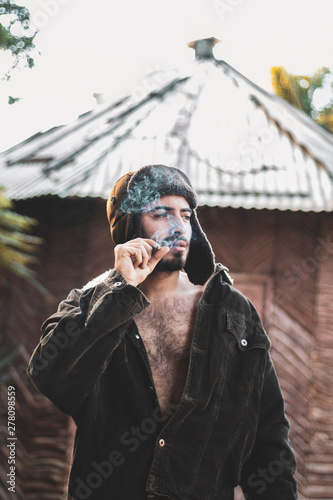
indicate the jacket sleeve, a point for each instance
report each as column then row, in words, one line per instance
column 79, row 339
column 268, row 474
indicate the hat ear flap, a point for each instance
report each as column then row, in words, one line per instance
column 200, row 264
column 120, row 228
column 127, row 227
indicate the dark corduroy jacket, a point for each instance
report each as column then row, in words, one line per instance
column 229, row 429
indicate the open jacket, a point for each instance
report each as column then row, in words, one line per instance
column 229, row 429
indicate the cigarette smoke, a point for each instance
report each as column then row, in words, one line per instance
column 150, row 183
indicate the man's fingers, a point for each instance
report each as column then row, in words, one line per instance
column 138, row 252
column 148, row 254
column 151, row 242
column 157, row 256
column 136, row 259
column 142, row 251
column 136, row 255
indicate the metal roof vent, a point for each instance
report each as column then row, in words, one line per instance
column 204, row 47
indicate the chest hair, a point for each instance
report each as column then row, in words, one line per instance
column 166, row 328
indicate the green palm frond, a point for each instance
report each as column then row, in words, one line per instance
column 18, row 247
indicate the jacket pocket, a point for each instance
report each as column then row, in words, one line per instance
column 249, row 332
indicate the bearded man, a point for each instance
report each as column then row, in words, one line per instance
column 163, row 365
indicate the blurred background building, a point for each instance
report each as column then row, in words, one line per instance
column 263, row 172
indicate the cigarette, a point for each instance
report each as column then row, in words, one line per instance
column 156, row 247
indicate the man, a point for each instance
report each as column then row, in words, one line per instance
column 163, row 365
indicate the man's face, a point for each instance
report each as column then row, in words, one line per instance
column 167, row 221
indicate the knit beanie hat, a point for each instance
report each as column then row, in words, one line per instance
column 135, row 189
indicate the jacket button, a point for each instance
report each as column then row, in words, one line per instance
column 137, row 336
column 150, row 388
column 244, row 342
column 117, row 284
column 161, row 443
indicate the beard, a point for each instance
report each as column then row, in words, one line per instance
column 175, row 263
column 169, row 263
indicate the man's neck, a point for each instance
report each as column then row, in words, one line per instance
column 166, row 284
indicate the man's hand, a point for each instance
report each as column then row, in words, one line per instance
column 135, row 259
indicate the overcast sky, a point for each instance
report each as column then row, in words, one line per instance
column 109, row 46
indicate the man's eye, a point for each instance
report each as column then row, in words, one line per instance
column 160, row 215
column 187, row 218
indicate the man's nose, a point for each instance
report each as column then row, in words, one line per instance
column 176, row 225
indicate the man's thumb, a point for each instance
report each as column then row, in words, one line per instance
column 157, row 256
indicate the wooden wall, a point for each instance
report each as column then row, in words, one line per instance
column 276, row 260
column 320, row 459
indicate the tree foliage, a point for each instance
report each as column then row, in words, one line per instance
column 16, row 35
column 17, row 246
column 300, row 90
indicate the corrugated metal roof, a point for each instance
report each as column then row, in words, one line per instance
column 241, row 146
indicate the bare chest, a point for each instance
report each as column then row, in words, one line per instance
column 166, row 328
